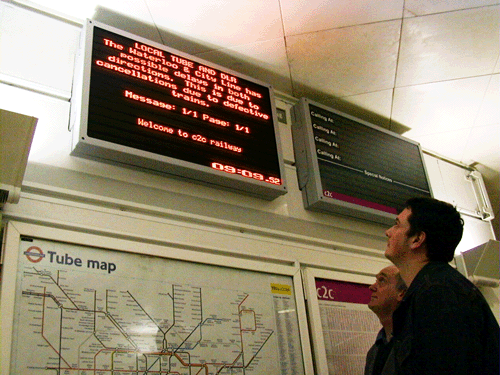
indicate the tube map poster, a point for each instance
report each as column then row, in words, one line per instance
column 82, row 311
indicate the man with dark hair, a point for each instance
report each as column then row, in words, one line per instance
column 387, row 292
column 443, row 325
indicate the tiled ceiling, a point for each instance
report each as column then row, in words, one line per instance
column 428, row 66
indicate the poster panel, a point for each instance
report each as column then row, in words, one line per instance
column 86, row 310
column 343, row 327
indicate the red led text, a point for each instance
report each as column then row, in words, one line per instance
column 144, row 99
column 184, row 79
column 198, row 138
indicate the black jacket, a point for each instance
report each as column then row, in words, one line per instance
column 445, row 326
column 372, row 357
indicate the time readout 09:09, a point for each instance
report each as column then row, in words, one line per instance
column 245, row 173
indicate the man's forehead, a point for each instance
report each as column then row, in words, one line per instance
column 389, row 271
column 403, row 216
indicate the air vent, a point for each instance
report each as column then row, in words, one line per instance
column 16, row 135
column 9, row 193
column 4, row 195
column 480, row 264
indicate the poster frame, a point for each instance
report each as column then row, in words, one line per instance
column 15, row 231
column 309, row 275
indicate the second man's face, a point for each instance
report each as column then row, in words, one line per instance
column 385, row 296
column 398, row 243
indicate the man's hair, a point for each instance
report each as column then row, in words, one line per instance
column 441, row 223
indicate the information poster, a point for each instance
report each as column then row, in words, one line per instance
column 349, row 327
column 87, row 311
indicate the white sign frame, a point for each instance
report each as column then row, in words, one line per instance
column 16, row 230
column 310, row 275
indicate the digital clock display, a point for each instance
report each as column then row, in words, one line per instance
column 246, row 173
column 141, row 104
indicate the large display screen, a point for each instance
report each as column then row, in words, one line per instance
column 145, row 105
column 348, row 166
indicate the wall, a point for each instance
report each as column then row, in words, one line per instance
column 450, row 183
column 67, row 192
column 58, row 186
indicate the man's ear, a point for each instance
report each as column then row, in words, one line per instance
column 400, row 295
column 418, row 240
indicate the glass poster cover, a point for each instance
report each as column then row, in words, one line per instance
column 84, row 311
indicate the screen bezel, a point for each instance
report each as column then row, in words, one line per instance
column 308, row 170
column 86, row 146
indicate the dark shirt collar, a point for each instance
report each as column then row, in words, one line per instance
column 381, row 337
column 429, row 268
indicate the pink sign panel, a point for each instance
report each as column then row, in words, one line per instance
column 342, row 291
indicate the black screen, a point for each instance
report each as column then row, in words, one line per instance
column 363, row 165
column 153, row 100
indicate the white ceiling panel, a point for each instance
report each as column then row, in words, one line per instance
column 32, row 58
column 374, row 107
column 451, row 143
column 79, row 10
column 342, row 62
column 489, row 113
column 439, row 107
column 301, row 17
column 266, row 59
column 483, row 145
column 220, row 24
column 378, row 102
column 422, row 7
column 448, row 46
column 128, row 15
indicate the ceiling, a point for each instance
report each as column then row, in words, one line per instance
column 429, row 69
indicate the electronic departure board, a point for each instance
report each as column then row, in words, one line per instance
column 348, row 166
column 140, row 104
